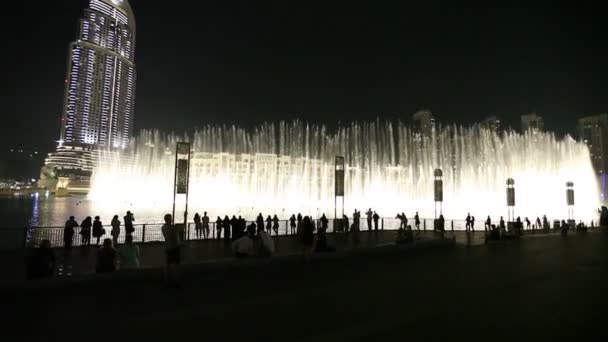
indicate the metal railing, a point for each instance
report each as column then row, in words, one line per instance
column 152, row 232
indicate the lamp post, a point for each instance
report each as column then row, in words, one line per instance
column 570, row 200
column 510, row 200
column 438, row 183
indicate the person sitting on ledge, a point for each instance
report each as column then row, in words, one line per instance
column 321, row 245
column 265, row 244
column 494, row 234
column 243, row 246
column 405, row 235
column 106, row 258
column 42, row 261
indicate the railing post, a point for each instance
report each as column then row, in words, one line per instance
column 452, row 226
column 143, row 234
column 424, row 224
column 383, row 224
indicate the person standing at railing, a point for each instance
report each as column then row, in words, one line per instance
column 370, row 216
column 85, row 231
column 226, row 226
column 115, row 230
column 269, row 225
column 259, row 221
column 417, row 221
column 376, row 219
column 473, row 223
column 218, row 228
column 172, row 235
column 275, row 224
column 98, row 230
column 129, row 218
column 527, row 223
column 68, row 233
column 324, row 224
column 467, row 225
column 198, row 225
column 488, row 225
column 205, row 220
column 292, row 224
column 299, row 224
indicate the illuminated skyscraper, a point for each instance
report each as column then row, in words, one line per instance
column 532, row 122
column 100, row 82
column 99, row 104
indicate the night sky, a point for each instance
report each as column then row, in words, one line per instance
column 203, row 62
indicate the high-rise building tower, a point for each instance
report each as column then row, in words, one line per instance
column 100, row 82
column 593, row 131
column 532, row 122
column 99, row 103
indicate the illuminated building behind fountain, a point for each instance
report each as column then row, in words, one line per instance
column 289, row 167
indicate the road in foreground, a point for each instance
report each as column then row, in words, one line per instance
column 540, row 287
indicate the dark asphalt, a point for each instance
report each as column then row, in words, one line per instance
column 541, row 288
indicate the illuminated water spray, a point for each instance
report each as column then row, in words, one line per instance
column 289, row 167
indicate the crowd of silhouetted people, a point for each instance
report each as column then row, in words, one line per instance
column 254, row 239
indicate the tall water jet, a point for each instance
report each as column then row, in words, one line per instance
column 288, row 167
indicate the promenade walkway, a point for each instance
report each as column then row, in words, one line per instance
column 546, row 288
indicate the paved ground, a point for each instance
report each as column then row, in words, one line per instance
column 540, row 288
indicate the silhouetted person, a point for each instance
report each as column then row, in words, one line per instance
column 205, row 222
column 275, row 224
column 546, row 225
column 299, row 224
column 488, row 225
column 129, row 254
column 260, row 221
column 106, row 258
column 376, row 218
column 252, row 228
column 115, row 230
column 473, row 223
column 241, row 227
column 265, row 244
column 308, row 231
column 538, row 223
column 324, row 224
column 417, row 221
column 243, row 246
column 467, row 225
column 218, row 228
column 234, row 223
column 269, row 225
column 226, row 226
column 370, row 217
column 172, row 236
column 604, row 217
column 345, row 223
column 292, row 224
column 68, row 232
column 129, row 218
column 527, row 223
column 42, row 261
column 198, row 225
column 321, row 245
column 85, row 231
column 357, row 219
column 98, row 230
column 502, row 225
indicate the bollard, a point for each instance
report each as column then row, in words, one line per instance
column 143, row 234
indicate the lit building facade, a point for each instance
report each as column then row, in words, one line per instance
column 533, row 123
column 593, row 131
column 99, row 100
column 100, row 81
column 491, row 122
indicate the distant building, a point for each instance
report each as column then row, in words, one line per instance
column 593, row 131
column 491, row 123
column 532, row 122
column 99, row 100
column 423, row 122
